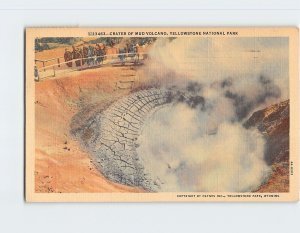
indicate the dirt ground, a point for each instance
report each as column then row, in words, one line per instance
column 61, row 165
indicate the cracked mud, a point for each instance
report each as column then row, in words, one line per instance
column 111, row 137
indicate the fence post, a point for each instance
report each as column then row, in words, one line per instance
column 44, row 66
column 36, row 74
column 58, row 62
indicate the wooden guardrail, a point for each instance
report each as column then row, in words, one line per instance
column 108, row 59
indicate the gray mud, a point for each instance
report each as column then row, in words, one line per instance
column 110, row 135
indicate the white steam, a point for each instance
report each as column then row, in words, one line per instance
column 206, row 148
column 209, row 60
column 184, row 151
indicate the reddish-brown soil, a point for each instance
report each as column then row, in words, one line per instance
column 279, row 180
column 61, row 165
column 273, row 122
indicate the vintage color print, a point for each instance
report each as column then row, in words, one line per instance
column 161, row 114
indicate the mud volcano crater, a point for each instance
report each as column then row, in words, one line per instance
column 110, row 135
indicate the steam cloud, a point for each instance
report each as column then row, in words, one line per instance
column 197, row 142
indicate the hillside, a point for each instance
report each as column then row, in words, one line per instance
column 273, row 122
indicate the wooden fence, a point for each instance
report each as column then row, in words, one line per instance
column 61, row 67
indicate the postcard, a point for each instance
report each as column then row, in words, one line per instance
column 162, row 114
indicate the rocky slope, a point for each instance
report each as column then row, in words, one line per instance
column 273, row 122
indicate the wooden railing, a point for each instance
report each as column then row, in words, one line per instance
column 60, row 66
